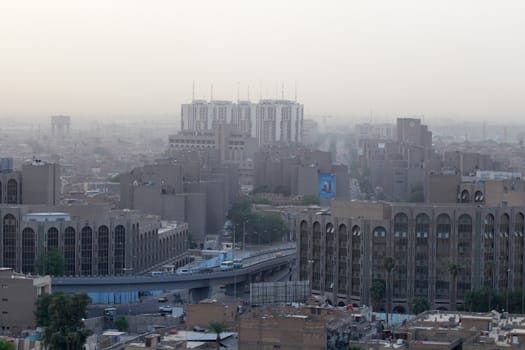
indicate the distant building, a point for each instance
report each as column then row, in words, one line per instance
column 60, row 125
column 398, row 166
column 269, row 121
column 194, row 190
column 229, row 144
column 295, row 171
column 18, row 295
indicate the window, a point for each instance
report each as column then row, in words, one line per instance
column 103, row 250
column 86, row 250
column 9, row 241
column 120, row 248
column 69, row 251
column 28, row 250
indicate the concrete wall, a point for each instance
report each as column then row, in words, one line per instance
column 442, row 188
column 41, row 184
column 17, row 301
column 285, row 332
column 203, row 313
column 356, row 209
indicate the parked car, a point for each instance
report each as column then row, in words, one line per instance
column 162, row 299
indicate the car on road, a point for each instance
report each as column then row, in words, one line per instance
column 162, row 299
column 165, row 309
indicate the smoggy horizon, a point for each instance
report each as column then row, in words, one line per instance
column 459, row 60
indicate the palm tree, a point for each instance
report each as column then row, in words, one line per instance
column 217, row 328
column 388, row 264
column 377, row 293
column 453, row 270
column 489, row 274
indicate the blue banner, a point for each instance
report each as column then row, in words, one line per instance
column 326, row 186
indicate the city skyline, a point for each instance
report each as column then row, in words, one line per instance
column 101, row 60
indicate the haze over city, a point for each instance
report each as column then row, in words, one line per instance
column 350, row 59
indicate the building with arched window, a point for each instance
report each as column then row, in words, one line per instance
column 37, row 182
column 423, row 240
column 92, row 239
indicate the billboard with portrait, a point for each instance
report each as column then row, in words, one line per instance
column 326, row 186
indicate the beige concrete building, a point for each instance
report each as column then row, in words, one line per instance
column 206, row 311
column 18, row 294
column 342, row 251
column 93, row 239
column 305, row 327
column 37, row 182
column 197, row 191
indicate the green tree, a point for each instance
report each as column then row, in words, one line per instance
column 65, row 328
column 121, row 324
column 418, row 305
column 481, row 300
column 311, row 199
column 51, row 263
column 377, row 293
column 42, row 314
column 217, row 328
column 453, row 270
column 388, row 264
column 5, row 345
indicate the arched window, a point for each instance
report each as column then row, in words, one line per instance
column 489, row 226
column 378, row 253
column 28, row 250
column 103, row 250
column 503, row 254
column 401, row 225
column 120, row 249
column 316, row 279
column 465, row 228
column 504, row 225
column 329, row 257
column 356, row 260
column 400, row 255
column 488, row 249
column 518, row 251
column 479, row 197
column 52, row 239
column 422, row 226
column 464, row 197
column 10, row 241
column 12, row 192
column 464, row 254
column 422, row 255
column 86, row 250
column 443, row 228
column 520, row 224
column 69, row 251
column 343, row 260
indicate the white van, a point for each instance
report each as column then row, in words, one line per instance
column 226, row 265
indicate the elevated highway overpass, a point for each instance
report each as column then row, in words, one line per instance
column 199, row 284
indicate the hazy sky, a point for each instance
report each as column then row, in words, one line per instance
column 103, row 58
